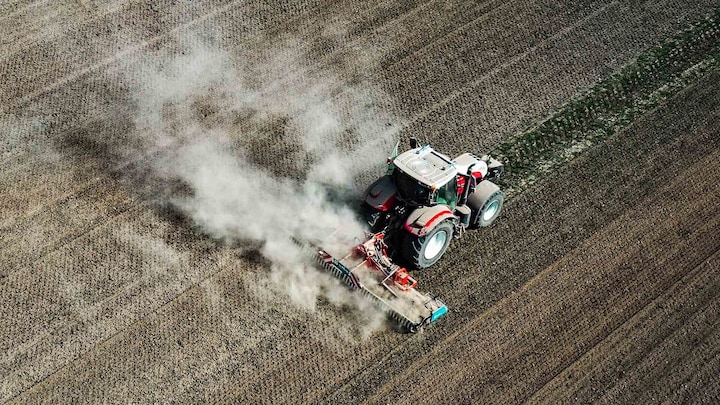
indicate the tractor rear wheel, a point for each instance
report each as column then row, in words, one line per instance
column 486, row 203
column 424, row 251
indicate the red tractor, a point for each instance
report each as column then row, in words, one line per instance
column 426, row 199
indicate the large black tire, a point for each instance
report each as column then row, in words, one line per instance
column 486, row 203
column 424, row 251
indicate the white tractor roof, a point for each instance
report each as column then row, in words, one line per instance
column 426, row 166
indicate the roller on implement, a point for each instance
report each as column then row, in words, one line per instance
column 413, row 212
column 368, row 268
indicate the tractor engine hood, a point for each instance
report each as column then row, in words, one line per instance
column 381, row 194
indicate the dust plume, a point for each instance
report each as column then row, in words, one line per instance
column 263, row 148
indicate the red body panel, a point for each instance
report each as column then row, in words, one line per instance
column 461, row 181
column 423, row 220
column 381, row 194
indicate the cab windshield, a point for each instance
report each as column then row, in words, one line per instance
column 410, row 189
column 447, row 194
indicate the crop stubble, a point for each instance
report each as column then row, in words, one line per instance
column 136, row 331
column 569, row 307
column 597, row 195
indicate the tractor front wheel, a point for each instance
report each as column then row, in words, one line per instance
column 424, row 251
column 486, row 203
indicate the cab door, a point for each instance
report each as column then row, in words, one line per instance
column 447, row 194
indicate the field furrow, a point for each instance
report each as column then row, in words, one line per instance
column 599, row 283
column 502, row 101
column 597, row 287
column 683, row 321
column 556, row 222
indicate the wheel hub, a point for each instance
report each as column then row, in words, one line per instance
column 491, row 211
column 435, row 245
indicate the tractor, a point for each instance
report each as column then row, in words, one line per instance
column 425, row 199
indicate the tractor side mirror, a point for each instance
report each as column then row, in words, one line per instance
column 413, row 143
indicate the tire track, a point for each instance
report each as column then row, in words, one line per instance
column 505, row 317
column 63, row 197
column 478, row 287
column 128, row 297
column 121, row 54
column 23, row 33
column 289, row 373
column 565, row 31
column 71, row 218
column 701, row 384
column 129, row 285
column 484, row 8
column 461, row 19
column 504, row 104
column 551, row 388
column 124, row 53
column 458, row 60
column 657, row 379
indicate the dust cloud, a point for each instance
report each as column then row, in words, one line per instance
column 266, row 147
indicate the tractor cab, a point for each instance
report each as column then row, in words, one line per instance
column 425, row 177
column 426, row 198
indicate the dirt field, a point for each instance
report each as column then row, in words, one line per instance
column 600, row 283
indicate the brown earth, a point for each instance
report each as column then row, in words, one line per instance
column 600, row 283
column 630, row 314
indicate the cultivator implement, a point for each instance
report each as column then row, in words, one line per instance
column 368, row 268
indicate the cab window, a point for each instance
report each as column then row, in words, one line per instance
column 447, row 194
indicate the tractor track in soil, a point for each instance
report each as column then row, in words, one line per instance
column 150, row 348
column 496, row 278
column 19, row 165
column 29, row 159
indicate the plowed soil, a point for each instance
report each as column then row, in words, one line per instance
column 599, row 283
